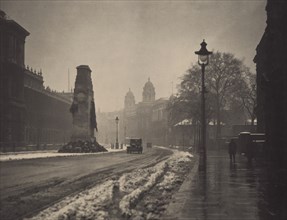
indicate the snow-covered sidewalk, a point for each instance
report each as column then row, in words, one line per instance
column 48, row 153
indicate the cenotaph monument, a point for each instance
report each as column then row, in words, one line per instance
column 83, row 106
column 84, row 116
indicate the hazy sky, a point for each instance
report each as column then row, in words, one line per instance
column 125, row 42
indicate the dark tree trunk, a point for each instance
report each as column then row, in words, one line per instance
column 218, row 119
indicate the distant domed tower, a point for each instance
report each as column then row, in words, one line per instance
column 129, row 99
column 148, row 92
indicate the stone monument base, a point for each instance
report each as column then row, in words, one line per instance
column 81, row 146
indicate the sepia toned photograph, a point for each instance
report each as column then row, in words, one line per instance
column 143, row 109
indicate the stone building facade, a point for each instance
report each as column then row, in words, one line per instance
column 12, row 105
column 148, row 118
column 47, row 116
column 30, row 114
column 271, row 64
column 130, row 116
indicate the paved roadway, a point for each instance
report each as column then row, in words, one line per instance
column 29, row 185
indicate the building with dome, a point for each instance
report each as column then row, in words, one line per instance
column 148, row 92
column 130, row 99
column 146, row 119
column 130, row 113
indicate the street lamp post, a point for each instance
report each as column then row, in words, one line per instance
column 203, row 59
column 125, row 135
column 117, row 135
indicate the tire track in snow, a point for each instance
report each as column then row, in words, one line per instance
column 116, row 197
column 138, row 163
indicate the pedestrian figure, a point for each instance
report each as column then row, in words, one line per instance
column 232, row 150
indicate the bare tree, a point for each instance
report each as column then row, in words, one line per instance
column 186, row 104
column 246, row 95
column 225, row 75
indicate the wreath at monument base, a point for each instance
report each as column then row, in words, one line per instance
column 82, row 147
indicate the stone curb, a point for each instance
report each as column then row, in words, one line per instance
column 179, row 199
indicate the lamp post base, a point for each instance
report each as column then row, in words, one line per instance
column 202, row 162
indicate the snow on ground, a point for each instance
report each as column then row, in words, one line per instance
column 94, row 203
column 131, row 181
column 131, row 198
column 172, row 164
column 44, row 154
column 89, row 204
column 175, row 164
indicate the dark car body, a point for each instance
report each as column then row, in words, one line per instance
column 135, row 146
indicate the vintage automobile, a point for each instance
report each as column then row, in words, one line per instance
column 251, row 144
column 135, row 146
column 149, row 145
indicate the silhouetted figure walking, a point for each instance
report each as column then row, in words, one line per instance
column 232, row 150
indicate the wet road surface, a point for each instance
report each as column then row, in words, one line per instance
column 236, row 191
column 27, row 186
